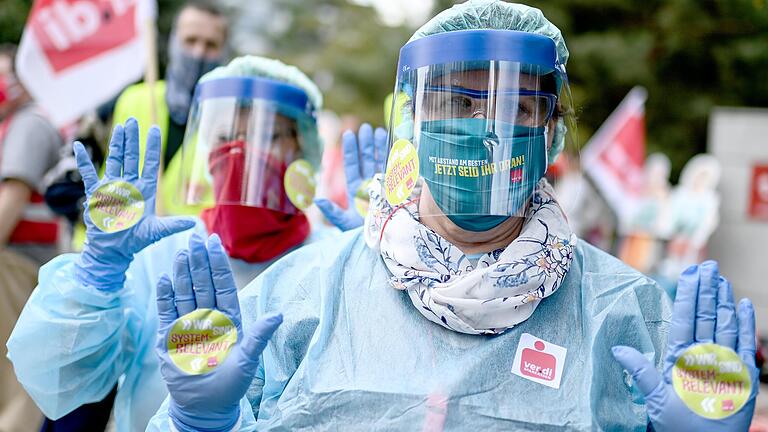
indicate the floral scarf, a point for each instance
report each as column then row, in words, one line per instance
column 500, row 291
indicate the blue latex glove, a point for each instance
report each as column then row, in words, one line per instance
column 360, row 164
column 106, row 256
column 704, row 312
column 202, row 279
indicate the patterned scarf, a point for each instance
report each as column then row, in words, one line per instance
column 498, row 292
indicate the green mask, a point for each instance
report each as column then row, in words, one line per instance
column 479, row 178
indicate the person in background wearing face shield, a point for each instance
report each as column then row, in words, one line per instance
column 465, row 302
column 29, row 232
column 251, row 131
column 196, row 46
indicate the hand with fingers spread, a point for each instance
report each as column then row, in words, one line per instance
column 206, row 399
column 704, row 314
column 119, row 211
column 364, row 156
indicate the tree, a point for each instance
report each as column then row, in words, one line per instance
column 342, row 46
column 690, row 54
column 13, row 15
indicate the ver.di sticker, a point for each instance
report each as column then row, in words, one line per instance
column 116, row 206
column 201, row 340
column 539, row 361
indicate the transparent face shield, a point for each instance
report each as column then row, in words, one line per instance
column 250, row 142
column 471, row 139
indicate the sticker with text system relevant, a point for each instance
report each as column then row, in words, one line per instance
column 402, row 172
column 116, row 206
column 539, row 361
column 300, row 183
column 362, row 198
column 201, row 340
column 711, row 380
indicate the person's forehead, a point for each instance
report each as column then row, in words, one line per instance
column 482, row 78
column 193, row 20
column 231, row 113
column 283, row 120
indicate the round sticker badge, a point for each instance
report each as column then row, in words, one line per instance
column 116, row 206
column 201, row 340
column 712, row 381
column 402, row 172
column 362, row 198
column 300, row 183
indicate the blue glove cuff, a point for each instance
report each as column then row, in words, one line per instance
column 198, row 422
column 102, row 269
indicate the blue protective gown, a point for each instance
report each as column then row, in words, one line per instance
column 72, row 343
column 354, row 354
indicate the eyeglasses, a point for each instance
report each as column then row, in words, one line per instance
column 524, row 107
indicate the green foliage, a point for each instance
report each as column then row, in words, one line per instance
column 690, row 54
column 13, row 14
column 344, row 47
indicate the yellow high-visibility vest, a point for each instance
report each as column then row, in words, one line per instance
column 134, row 102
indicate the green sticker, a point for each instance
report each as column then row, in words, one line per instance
column 201, row 340
column 300, row 183
column 712, row 381
column 362, row 198
column 402, row 172
column 116, row 206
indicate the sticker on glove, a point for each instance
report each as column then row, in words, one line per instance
column 402, row 172
column 712, row 381
column 116, row 206
column 201, row 340
column 362, row 198
column 300, row 183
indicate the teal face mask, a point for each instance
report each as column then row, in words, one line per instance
column 479, row 178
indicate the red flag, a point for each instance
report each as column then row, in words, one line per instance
column 615, row 155
column 76, row 54
column 758, row 202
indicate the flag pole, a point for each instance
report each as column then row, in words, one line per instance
column 150, row 80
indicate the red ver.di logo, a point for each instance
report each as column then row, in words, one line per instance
column 538, row 364
column 539, row 361
column 71, row 31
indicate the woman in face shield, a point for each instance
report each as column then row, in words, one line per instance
column 465, row 302
column 248, row 158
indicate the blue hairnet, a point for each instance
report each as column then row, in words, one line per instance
column 500, row 15
column 255, row 66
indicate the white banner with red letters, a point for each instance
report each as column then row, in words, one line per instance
column 77, row 54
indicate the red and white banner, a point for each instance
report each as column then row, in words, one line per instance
column 758, row 197
column 615, row 155
column 77, row 54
